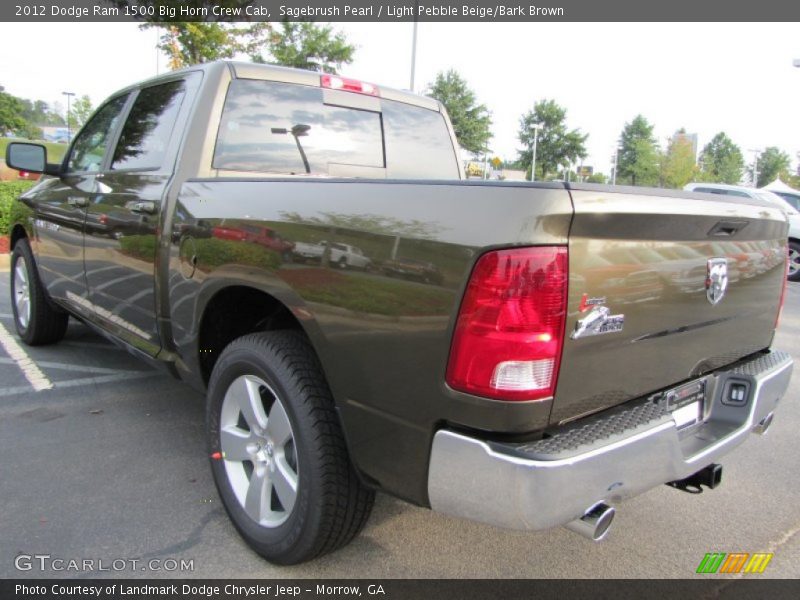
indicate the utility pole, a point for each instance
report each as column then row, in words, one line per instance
column 756, row 152
column 69, row 132
column 616, row 162
column 536, row 127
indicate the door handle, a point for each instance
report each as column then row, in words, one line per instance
column 145, row 206
column 77, row 201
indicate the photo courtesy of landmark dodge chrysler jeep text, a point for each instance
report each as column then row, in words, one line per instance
column 521, row 354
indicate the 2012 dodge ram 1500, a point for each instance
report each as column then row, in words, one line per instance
column 579, row 344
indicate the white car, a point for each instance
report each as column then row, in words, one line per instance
column 341, row 255
column 746, row 192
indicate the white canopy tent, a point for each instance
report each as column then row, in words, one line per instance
column 779, row 186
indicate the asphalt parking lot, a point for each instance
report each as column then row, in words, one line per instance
column 109, row 463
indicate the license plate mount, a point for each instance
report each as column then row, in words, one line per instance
column 686, row 403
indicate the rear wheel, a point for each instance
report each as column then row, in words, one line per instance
column 277, row 451
column 794, row 261
column 37, row 321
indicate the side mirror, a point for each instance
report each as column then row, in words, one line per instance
column 29, row 157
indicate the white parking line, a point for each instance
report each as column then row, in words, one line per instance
column 11, row 391
column 45, row 364
column 32, row 373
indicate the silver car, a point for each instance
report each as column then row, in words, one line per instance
column 788, row 208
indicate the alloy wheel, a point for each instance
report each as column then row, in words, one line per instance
column 22, row 294
column 794, row 262
column 259, row 452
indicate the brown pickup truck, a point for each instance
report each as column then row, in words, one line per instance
column 564, row 346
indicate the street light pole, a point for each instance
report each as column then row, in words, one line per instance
column 414, row 47
column 69, row 132
column 616, row 162
column 756, row 152
column 536, row 127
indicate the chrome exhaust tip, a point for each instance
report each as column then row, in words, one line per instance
column 595, row 523
column 763, row 424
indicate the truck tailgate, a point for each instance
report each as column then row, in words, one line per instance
column 643, row 261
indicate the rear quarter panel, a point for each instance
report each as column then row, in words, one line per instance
column 383, row 342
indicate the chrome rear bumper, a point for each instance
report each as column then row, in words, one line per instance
column 605, row 458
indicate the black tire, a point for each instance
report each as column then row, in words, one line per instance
column 332, row 505
column 794, row 258
column 46, row 323
column 342, row 263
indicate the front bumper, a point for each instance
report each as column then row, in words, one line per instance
column 605, row 458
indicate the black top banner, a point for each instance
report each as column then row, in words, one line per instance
column 399, row 10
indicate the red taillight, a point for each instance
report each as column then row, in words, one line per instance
column 510, row 328
column 335, row 82
column 103, row 218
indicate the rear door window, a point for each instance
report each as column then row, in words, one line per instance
column 287, row 129
column 147, row 131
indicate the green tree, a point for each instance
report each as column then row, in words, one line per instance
column 679, row 166
column 772, row 163
column 11, row 109
column 597, row 178
column 195, row 43
column 79, row 112
column 471, row 121
column 722, row 161
column 556, row 145
column 305, row 45
column 638, row 156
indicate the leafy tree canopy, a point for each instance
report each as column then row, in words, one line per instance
column 679, row 166
column 10, row 113
column 556, row 145
column 304, row 45
column 80, row 111
column 471, row 121
column 722, row 161
column 638, row 156
column 772, row 163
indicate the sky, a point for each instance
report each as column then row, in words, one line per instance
column 706, row 77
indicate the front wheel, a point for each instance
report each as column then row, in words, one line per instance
column 37, row 321
column 278, row 455
column 794, row 261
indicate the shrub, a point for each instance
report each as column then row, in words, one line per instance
column 9, row 192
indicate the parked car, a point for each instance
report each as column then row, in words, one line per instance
column 790, row 197
column 417, row 270
column 786, row 205
column 256, row 234
column 527, row 396
column 341, row 255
